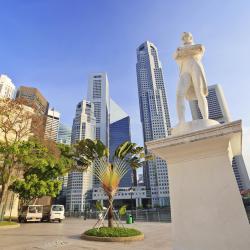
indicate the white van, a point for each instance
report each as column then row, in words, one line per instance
column 31, row 213
column 53, row 213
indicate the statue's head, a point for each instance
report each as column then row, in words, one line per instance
column 187, row 38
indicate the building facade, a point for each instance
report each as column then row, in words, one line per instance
column 7, row 88
column 154, row 118
column 119, row 132
column 218, row 110
column 52, row 125
column 98, row 94
column 84, row 123
column 133, row 198
column 217, row 105
column 64, row 134
column 34, row 99
column 79, row 186
column 64, row 137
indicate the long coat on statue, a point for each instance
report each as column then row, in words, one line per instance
column 192, row 73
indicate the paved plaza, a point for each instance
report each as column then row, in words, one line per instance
column 66, row 235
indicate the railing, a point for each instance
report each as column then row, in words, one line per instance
column 150, row 215
column 153, row 215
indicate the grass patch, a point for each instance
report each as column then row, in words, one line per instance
column 13, row 218
column 113, row 232
column 7, row 223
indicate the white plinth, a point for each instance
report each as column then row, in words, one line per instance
column 206, row 206
column 193, row 126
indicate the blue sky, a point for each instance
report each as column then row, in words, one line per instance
column 54, row 44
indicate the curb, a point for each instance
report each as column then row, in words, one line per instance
column 10, row 226
column 113, row 239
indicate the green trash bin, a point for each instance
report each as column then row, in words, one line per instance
column 129, row 219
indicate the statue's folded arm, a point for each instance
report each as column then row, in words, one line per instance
column 191, row 50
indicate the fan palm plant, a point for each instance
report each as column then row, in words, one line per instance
column 110, row 173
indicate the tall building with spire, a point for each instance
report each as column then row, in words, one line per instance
column 154, row 118
column 218, row 110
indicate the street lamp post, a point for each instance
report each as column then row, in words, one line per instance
column 131, row 193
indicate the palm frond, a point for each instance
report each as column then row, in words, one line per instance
column 96, row 154
column 133, row 154
column 100, row 149
column 110, row 175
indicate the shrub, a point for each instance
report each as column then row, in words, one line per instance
column 112, row 232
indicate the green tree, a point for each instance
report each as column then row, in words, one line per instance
column 16, row 121
column 32, row 164
column 41, row 177
column 109, row 173
column 31, row 188
column 15, row 158
column 22, row 155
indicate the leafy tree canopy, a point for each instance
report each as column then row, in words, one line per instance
column 32, row 187
column 40, row 177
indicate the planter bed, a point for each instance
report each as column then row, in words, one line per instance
column 115, row 234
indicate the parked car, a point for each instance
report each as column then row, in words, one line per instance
column 53, row 213
column 31, row 213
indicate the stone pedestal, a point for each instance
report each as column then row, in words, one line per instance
column 206, row 206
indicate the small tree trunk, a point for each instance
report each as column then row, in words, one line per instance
column 110, row 212
column 3, row 201
column 11, row 205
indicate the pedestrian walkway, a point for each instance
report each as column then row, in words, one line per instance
column 66, row 236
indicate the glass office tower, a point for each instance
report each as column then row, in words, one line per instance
column 119, row 132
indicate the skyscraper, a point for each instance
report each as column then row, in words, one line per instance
column 64, row 134
column 80, row 184
column 52, row 124
column 7, row 88
column 84, row 123
column 98, row 94
column 119, row 133
column 64, row 137
column 154, row 117
column 217, row 105
column 218, row 110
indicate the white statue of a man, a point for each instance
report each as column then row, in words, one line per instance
column 192, row 84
